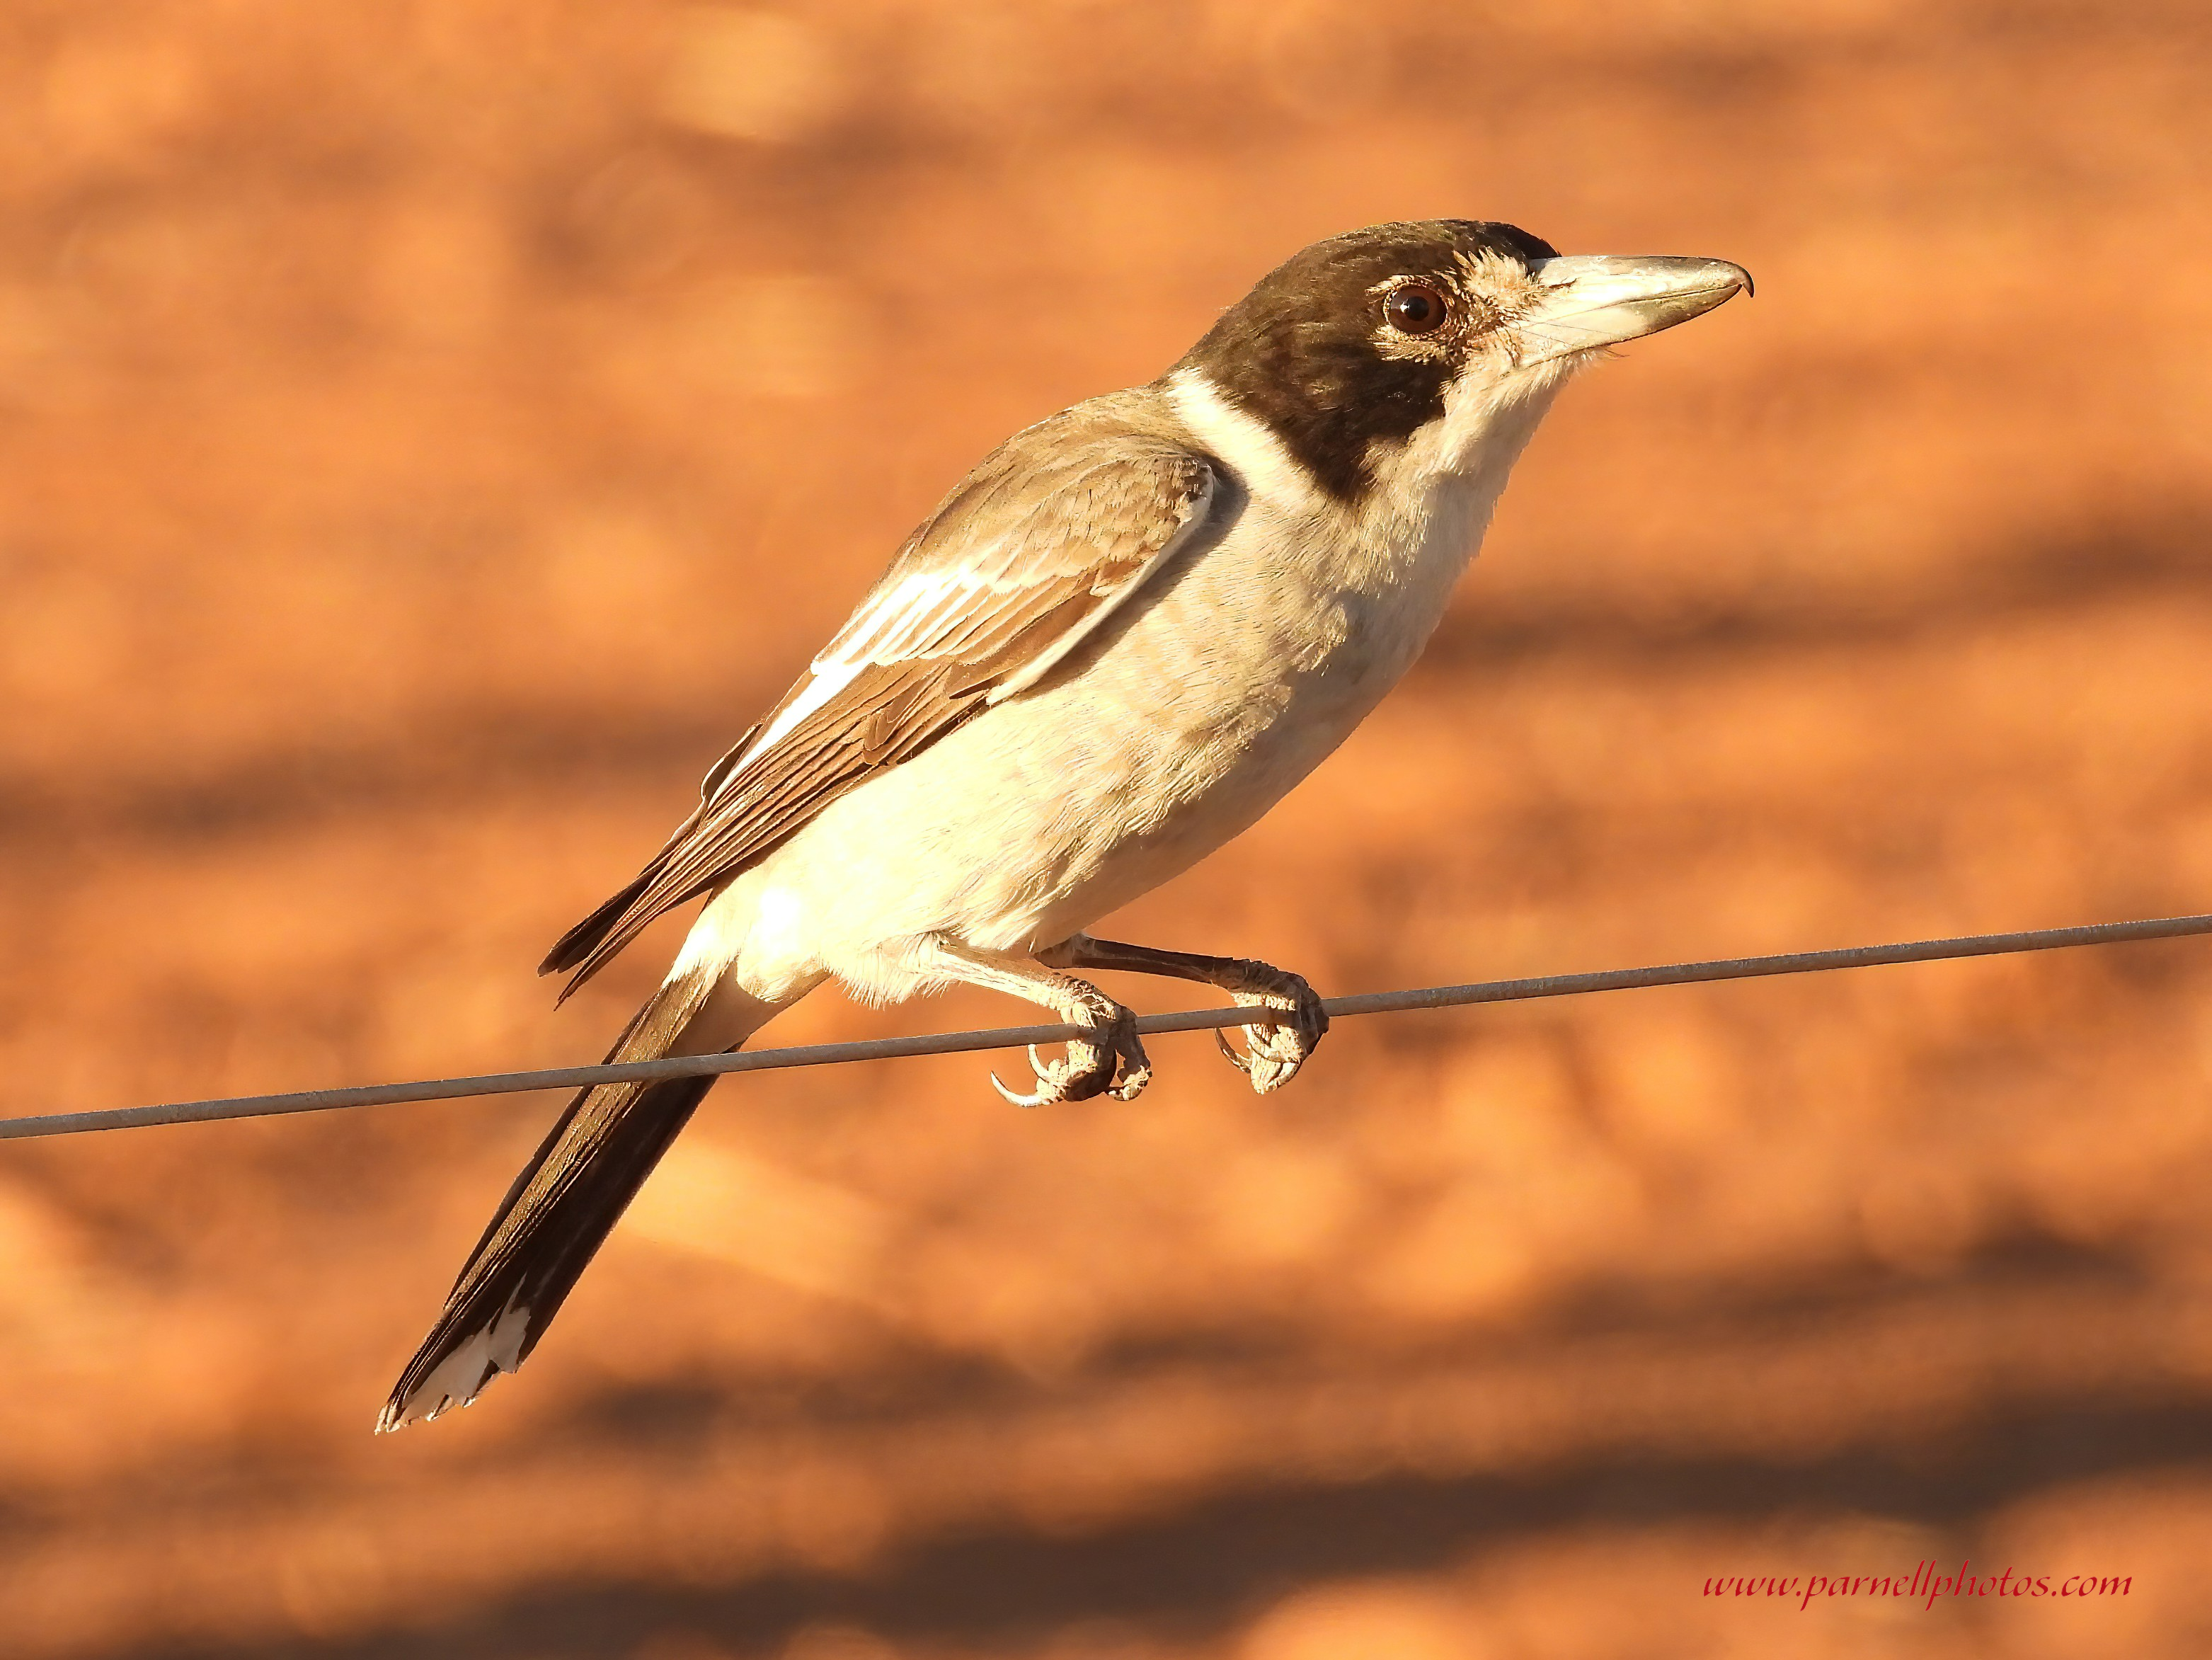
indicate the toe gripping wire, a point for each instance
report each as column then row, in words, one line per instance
column 952, row 1043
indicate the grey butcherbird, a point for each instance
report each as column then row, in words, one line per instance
column 1116, row 643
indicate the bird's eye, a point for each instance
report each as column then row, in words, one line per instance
column 1416, row 309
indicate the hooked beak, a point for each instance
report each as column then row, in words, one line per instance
column 1589, row 301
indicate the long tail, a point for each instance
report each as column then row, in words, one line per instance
column 567, row 1200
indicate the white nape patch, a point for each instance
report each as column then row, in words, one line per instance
column 459, row 1378
column 1252, row 451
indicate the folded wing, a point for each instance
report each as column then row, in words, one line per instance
column 1016, row 568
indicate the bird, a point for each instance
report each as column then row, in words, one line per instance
column 1123, row 636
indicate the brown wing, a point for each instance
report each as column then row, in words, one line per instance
column 1020, row 563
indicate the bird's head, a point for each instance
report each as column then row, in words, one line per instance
column 1422, row 340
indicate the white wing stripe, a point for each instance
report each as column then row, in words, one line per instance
column 878, row 633
column 923, row 632
column 829, row 680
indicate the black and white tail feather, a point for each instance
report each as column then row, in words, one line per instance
column 554, row 1217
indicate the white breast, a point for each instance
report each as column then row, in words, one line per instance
column 1219, row 694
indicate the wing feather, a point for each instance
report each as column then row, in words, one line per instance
column 1016, row 568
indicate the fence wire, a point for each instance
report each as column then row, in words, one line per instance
column 954, row 1043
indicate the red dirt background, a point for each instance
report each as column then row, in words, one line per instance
column 429, row 432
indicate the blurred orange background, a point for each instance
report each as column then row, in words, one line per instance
column 428, row 432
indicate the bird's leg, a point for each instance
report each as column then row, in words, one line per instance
column 1274, row 1050
column 1113, row 1064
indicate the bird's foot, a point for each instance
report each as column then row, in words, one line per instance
column 1274, row 1052
column 1114, row 1064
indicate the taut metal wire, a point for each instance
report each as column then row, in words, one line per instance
column 952, row 1043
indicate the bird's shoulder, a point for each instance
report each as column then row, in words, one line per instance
column 1097, row 486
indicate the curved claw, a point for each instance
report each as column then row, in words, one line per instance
column 1289, row 1021
column 1132, row 1085
column 1108, row 1061
column 1228, row 1052
column 1012, row 1100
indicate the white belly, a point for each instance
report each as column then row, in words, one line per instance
column 1047, row 811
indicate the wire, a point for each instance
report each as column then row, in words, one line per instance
column 954, row 1042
